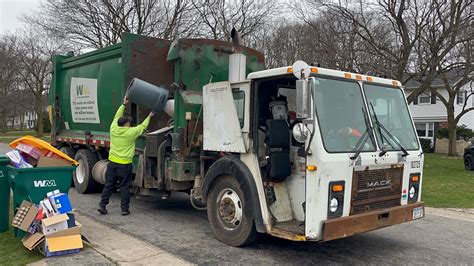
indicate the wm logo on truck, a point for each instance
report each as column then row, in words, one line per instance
column 44, row 183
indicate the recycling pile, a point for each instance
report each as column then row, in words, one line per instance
column 50, row 226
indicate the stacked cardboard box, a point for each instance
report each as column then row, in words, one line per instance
column 50, row 226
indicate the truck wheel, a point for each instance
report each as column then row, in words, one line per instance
column 229, row 214
column 83, row 180
column 71, row 153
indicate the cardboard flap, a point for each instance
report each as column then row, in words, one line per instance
column 26, row 218
column 76, row 230
column 55, row 219
column 50, row 161
column 31, row 241
column 64, row 243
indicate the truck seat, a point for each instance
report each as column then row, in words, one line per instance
column 278, row 141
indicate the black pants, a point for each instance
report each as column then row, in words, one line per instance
column 121, row 173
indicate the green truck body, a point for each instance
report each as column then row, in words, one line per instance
column 190, row 63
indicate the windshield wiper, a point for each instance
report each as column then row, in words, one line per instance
column 363, row 139
column 392, row 137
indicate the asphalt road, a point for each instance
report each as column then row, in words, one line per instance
column 4, row 148
column 176, row 227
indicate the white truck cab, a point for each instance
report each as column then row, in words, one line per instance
column 331, row 154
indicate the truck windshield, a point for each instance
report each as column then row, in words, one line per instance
column 389, row 106
column 339, row 108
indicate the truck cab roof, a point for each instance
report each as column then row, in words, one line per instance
column 323, row 71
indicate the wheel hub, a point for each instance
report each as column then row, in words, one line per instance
column 80, row 172
column 230, row 208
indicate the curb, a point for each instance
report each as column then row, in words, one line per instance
column 452, row 213
column 123, row 249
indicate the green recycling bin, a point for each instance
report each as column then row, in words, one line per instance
column 4, row 195
column 32, row 184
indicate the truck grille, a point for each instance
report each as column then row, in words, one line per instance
column 376, row 189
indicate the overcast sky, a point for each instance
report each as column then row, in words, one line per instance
column 11, row 9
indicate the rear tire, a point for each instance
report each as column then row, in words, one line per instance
column 83, row 180
column 230, row 215
column 469, row 162
column 71, row 153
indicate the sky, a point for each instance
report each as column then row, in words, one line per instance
column 11, row 9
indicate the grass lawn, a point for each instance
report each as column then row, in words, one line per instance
column 10, row 136
column 12, row 251
column 446, row 184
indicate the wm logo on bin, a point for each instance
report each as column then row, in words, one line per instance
column 44, row 183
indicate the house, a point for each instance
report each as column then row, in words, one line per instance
column 25, row 121
column 429, row 113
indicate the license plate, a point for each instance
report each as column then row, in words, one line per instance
column 417, row 213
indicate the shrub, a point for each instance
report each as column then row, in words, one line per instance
column 426, row 145
column 462, row 132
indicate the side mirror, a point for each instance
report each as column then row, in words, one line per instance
column 303, row 99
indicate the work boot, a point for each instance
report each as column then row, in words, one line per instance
column 125, row 213
column 102, row 210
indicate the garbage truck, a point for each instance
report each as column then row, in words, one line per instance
column 299, row 152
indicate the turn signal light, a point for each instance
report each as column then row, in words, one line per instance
column 314, row 70
column 337, row 188
column 289, row 70
column 415, row 178
column 311, row 168
column 347, row 75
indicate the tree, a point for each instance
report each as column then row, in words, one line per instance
column 97, row 24
column 218, row 17
column 8, row 78
column 33, row 54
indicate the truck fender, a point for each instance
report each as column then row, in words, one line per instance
column 235, row 167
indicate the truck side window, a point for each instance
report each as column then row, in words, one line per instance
column 239, row 101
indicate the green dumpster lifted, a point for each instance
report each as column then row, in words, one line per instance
column 4, row 195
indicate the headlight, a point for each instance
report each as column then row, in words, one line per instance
column 412, row 192
column 333, row 205
column 335, row 199
column 414, row 186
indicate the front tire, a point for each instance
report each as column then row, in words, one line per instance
column 83, row 180
column 230, row 214
column 469, row 162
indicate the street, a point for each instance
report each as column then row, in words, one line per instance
column 176, row 227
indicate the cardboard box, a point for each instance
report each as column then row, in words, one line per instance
column 25, row 216
column 50, row 161
column 31, row 241
column 55, row 244
column 30, row 150
column 54, row 224
column 61, row 203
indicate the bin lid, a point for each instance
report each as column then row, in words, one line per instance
column 4, row 160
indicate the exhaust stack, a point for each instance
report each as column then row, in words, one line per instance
column 237, row 60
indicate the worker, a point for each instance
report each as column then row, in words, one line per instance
column 122, row 150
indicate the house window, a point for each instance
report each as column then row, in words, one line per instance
column 424, row 98
column 460, row 97
column 425, row 130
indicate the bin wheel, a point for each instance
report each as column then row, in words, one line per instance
column 83, row 180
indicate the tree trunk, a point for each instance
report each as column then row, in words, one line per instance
column 40, row 114
column 451, row 133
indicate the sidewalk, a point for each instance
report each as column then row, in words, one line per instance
column 454, row 213
column 109, row 247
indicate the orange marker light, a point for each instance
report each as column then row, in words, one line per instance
column 314, row 70
column 369, row 79
column 337, row 188
column 395, row 83
column 311, row 168
column 415, row 178
column 347, row 75
column 358, row 77
column 289, row 70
